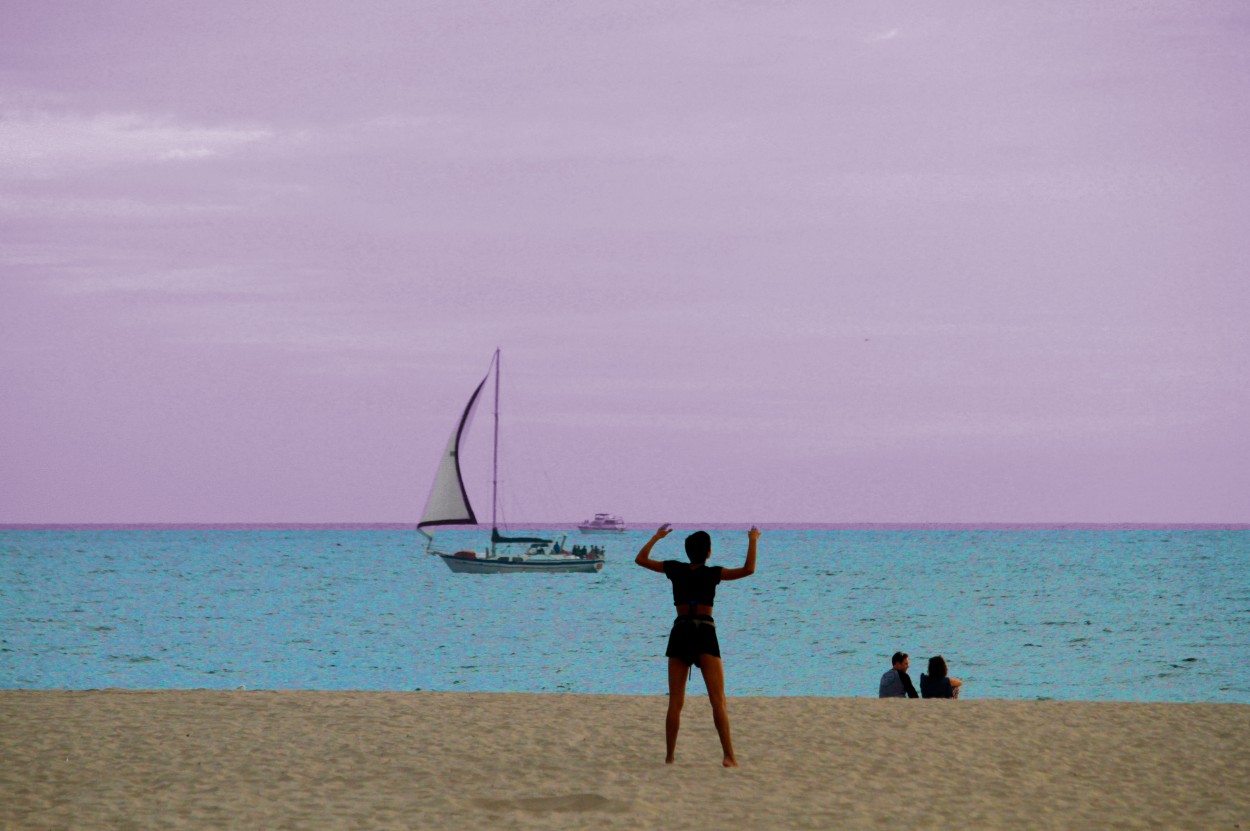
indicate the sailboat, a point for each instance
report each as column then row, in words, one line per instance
column 448, row 504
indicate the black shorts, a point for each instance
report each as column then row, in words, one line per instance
column 691, row 637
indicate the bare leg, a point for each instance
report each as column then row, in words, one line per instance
column 714, row 679
column 677, row 674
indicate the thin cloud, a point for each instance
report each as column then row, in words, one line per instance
column 111, row 208
column 881, row 37
column 219, row 281
column 189, row 153
column 509, row 136
column 45, row 145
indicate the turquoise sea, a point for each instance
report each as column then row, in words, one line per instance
column 1097, row 614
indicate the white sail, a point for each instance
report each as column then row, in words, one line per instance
column 448, row 503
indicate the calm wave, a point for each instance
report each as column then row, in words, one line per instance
column 1128, row 614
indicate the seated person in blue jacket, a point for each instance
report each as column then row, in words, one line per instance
column 896, row 683
column 936, row 683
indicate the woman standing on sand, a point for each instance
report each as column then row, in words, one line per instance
column 693, row 637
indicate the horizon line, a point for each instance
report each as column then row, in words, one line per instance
column 635, row 527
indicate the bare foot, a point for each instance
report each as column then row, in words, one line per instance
column 730, row 762
column 668, row 760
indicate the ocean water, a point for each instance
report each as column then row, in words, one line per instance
column 1095, row 614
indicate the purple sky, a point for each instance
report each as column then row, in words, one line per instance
column 808, row 261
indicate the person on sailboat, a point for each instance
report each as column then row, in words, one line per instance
column 692, row 641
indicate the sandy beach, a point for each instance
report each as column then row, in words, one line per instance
column 272, row 760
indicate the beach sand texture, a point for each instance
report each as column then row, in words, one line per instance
column 310, row 760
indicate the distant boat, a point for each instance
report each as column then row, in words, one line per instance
column 602, row 522
column 448, row 504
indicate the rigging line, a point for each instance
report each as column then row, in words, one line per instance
column 494, row 487
column 531, row 460
column 550, row 485
column 503, row 511
column 510, row 504
column 508, row 462
column 532, row 464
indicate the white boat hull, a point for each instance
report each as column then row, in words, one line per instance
column 511, row 565
column 585, row 529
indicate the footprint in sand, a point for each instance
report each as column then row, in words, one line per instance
column 542, row 804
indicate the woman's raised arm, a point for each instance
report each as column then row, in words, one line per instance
column 644, row 556
column 749, row 568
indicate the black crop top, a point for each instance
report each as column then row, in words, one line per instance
column 692, row 585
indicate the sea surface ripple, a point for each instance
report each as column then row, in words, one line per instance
column 1123, row 615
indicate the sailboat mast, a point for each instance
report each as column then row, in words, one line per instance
column 494, row 481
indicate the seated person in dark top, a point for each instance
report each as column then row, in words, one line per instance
column 936, row 683
column 896, row 683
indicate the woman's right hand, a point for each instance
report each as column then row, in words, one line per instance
column 753, row 534
column 663, row 531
